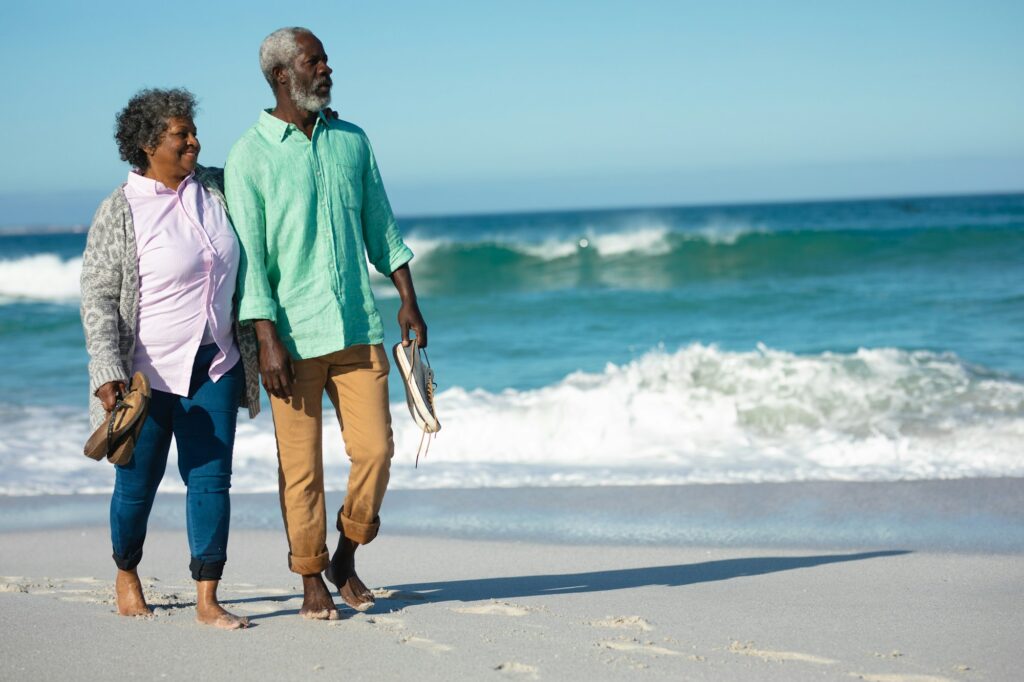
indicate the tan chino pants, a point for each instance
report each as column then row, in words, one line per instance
column 356, row 381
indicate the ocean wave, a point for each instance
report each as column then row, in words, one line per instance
column 696, row 415
column 41, row 277
column 655, row 256
column 643, row 237
column 645, row 254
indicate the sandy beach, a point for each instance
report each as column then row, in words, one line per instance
column 529, row 607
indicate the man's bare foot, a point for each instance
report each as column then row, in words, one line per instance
column 342, row 572
column 210, row 612
column 128, row 588
column 356, row 594
column 316, row 599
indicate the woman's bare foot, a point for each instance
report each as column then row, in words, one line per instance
column 130, row 601
column 210, row 612
column 316, row 599
column 342, row 572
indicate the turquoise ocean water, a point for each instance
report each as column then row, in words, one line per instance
column 855, row 340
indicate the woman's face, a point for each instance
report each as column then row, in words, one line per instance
column 178, row 150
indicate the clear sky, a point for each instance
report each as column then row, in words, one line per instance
column 492, row 106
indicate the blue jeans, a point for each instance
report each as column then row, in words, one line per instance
column 203, row 426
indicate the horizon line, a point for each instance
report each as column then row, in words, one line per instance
column 58, row 228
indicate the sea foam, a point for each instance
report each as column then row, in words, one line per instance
column 43, row 277
column 695, row 415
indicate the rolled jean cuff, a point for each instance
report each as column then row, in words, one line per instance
column 362, row 533
column 308, row 565
column 129, row 561
column 206, row 570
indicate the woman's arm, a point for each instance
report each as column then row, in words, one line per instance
column 102, row 270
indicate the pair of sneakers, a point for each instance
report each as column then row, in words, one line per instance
column 418, row 379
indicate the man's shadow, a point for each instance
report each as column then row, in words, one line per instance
column 621, row 579
column 678, row 575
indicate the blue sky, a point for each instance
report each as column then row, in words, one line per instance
column 494, row 106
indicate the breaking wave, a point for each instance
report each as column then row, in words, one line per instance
column 696, row 415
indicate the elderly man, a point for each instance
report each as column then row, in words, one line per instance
column 309, row 207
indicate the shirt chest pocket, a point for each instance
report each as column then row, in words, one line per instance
column 349, row 181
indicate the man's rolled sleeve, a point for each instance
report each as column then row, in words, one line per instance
column 384, row 246
column 245, row 205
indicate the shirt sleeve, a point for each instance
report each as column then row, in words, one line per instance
column 384, row 246
column 248, row 216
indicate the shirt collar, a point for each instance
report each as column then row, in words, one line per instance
column 140, row 184
column 277, row 129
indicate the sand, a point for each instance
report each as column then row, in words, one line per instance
column 482, row 609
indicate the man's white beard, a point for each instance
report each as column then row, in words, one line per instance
column 307, row 100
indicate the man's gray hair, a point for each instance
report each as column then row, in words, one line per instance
column 280, row 49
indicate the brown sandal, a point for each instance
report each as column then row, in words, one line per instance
column 115, row 438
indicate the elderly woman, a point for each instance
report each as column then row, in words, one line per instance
column 158, row 282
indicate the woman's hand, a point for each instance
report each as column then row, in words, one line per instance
column 108, row 394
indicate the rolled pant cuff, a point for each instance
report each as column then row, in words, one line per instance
column 128, row 561
column 206, row 570
column 362, row 533
column 308, row 565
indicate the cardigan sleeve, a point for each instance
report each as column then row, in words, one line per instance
column 102, row 273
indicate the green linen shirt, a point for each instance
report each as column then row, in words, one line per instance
column 309, row 213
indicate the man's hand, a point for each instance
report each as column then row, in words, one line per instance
column 108, row 393
column 409, row 317
column 409, row 314
column 275, row 363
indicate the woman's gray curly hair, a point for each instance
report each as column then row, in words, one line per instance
column 280, row 49
column 143, row 121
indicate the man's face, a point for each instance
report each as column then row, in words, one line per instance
column 309, row 77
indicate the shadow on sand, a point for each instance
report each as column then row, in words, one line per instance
column 411, row 594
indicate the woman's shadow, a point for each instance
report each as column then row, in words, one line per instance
column 396, row 597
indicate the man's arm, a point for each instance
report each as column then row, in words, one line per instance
column 409, row 315
column 255, row 299
column 386, row 250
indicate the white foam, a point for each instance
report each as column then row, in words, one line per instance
column 725, row 232
column 43, row 277
column 552, row 249
column 422, row 247
column 697, row 415
column 648, row 241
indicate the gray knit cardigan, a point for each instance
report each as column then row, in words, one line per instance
column 110, row 299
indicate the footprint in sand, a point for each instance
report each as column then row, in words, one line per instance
column 494, row 609
column 13, row 587
column 637, row 647
column 392, row 624
column 398, row 595
column 270, row 591
column 87, row 590
column 622, row 623
column 426, row 644
column 513, row 668
column 867, row 677
column 271, row 605
column 747, row 649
